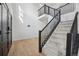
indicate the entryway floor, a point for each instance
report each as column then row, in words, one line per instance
column 26, row 47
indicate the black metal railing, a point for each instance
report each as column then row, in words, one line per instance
column 46, row 32
column 72, row 39
column 67, row 8
column 47, row 10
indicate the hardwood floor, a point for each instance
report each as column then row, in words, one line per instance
column 26, row 47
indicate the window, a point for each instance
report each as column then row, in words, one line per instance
column 20, row 14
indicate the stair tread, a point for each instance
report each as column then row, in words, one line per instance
column 66, row 21
column 56, row 45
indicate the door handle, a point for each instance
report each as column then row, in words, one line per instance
column 0, row 32
column 8, row 28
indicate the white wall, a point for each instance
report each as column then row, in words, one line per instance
column 77, row 9
column 30, row 15
column 68, row 16
column 69, row 11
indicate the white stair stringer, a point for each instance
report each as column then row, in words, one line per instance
column 56, row 44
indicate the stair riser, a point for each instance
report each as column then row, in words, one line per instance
column 56, row 45
column 62, row 31
column 65, row 24
column 63, row 28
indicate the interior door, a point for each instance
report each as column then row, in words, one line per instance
column 4, row 31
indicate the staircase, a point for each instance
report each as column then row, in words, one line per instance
column 58, row 38
column 56, row 45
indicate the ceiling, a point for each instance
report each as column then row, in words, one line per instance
column 54, row 5
column 26, row 6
